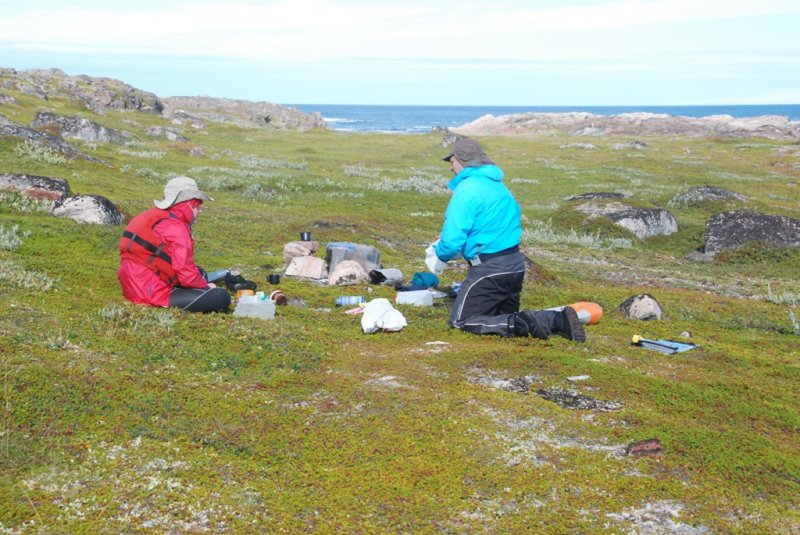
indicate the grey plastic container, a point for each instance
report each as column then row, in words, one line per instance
column 253, row 307
column 369, row 257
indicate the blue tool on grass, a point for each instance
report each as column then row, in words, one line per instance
column 669, row 347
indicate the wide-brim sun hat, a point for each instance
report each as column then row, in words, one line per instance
column 179, row 189
column 469, row 153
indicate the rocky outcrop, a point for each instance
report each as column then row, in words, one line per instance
column 244, row 113
column 737, row 228
column 98, row 94
column 643, row 222
column 705, row 194
column 94, row 92
column 37, row 187
column 88, row 209
column 181, row 118
column 767, row 126
column 78, row 128
column 43, row 139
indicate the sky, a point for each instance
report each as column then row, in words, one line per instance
column 415, row 52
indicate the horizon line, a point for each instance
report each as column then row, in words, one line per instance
column 540, row 105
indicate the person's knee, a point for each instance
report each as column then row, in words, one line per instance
column 220, row 299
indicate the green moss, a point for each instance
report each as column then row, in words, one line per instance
column 306, row 424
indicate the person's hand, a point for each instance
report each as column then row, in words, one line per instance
column 212, row 285
column 435, row 265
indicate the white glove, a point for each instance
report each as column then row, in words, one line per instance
column 435, row 265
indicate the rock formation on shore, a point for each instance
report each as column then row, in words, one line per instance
column 98, row 94
column 586, row 124
column 242, row 113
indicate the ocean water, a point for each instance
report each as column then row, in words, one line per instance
column 420, row 119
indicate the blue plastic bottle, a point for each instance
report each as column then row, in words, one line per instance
column 347, row 300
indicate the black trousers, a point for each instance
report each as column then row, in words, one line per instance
column 200, row 300
column 490, row 296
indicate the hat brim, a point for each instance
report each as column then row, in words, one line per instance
column 448, row 157
column 185, row 195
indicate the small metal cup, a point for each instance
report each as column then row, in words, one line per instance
column 305, row 236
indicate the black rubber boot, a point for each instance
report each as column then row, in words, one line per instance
column 535, row 327
column 569, row 325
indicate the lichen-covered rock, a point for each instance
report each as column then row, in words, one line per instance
column 45, row 140
column 734, row 229
column 638, row 145
column 595, row 195
column 642, row 222
column 641, row 307
column 646, row 222
column 348, row 273
column 88, row 209
column 38, row 187
column 78, row 128
column 705, row 194
column 169, row 135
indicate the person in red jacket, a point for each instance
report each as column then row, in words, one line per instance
column 157, row 265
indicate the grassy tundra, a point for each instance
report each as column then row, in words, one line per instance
column 117, row 418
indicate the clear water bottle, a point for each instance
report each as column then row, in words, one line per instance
column 348, row 300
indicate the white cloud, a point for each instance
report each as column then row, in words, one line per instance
column 312, row 30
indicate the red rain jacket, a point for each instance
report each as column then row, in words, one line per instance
column 140, row 284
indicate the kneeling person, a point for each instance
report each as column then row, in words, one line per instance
column 482, row 223
column 157, row 254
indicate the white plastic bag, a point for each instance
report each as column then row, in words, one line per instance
column 435, row 265
column 380, row 314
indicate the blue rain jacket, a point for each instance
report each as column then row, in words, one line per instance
column 482, row 216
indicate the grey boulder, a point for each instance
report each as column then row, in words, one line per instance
column 705, row 194
column 78, row 128
column 38, row 187
column 642, row 222
column 92, row 209
column 595, row 195
column 734, row 229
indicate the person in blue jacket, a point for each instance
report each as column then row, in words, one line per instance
column 482, row 224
